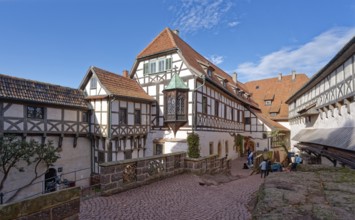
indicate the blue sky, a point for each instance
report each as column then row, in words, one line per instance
column 56, row 41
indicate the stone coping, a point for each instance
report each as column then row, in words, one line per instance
column 201, row 158
column 108, row 164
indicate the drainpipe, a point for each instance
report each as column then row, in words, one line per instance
column 194, row 98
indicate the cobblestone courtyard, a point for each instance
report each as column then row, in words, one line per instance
column 179, row 197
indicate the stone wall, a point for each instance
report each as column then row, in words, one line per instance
column 209, row 164
column 119, row 176
column 122, row 175
column 63, row 204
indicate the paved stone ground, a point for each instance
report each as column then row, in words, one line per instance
column 179, row 197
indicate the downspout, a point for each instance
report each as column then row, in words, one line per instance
column 194, row 99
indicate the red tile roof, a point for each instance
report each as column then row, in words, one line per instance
column 281, row 90
column 269, row 122
column 167, row 40
column 120, row 86
column 18, row 89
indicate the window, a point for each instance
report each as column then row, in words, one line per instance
column 158, row 150
column 224, row 83
column 257, row 87
column 226, row 148
column 93, row 83
column 204, row 104
column 268, row 102
column 211, row 148
column 180, row 106
column 209, row 72
column 247, row 121
column 35, row 112
column 161, row 65
column 84, row 117
column 137, row 117
column 157, row 66
column 225, row 111
column 128, row 154
column 216, row 108
column 273, row 114
column 109, row 152
column 232, row 114
column 123, row 116
column 101, row 157
column 153, row 68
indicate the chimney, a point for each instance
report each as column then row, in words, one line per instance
column 280, row 76
column 176, row 31
column 235, row 77
column 125, row 73
column 293, row 75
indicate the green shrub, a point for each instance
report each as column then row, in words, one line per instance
column 193, row 140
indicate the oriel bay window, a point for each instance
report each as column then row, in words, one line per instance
column 175, row 108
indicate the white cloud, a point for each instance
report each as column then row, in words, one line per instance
column 216, row 59
column 307, row 58
column 194, row 15
column 233, row 23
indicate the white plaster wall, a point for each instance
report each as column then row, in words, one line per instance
column 15, row 110
column 70, row 115
column 54, row 114
column 216, row 137
column 71, row 159
column 174, row 146
column 286, row 124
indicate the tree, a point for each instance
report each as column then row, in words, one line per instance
column 193, row 140
column 14, row 151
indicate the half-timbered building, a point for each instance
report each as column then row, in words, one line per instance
column 193, row 95
column 322, row 112
column 120, row 116
column 46, row 112
column 271, row 94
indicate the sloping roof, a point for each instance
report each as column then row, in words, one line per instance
column 280, row 90
column 343, row 138
column 13, row 88
column 269, row 122
column 167, row 40
column 119, row 85
column 345, row 53
column 176, row 83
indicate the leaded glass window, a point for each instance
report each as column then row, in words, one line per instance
column 137, row 117
column 35, row 112
column 180, row 106
column 171, row 105
column 204, row 105
column 123, row 116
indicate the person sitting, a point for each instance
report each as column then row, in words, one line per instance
column 298, row 159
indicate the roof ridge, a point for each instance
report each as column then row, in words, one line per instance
column 35, row 81
column 153, row 41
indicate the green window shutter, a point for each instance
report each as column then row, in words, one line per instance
column 146, row 68
column 168, row 63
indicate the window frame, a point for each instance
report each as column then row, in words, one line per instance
column 123, row 120
column 268, row 102
column 93, row 83
column 204, row 105
column 33, row 114
column 137, row 117
column 216, row 108
column 158, row 65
